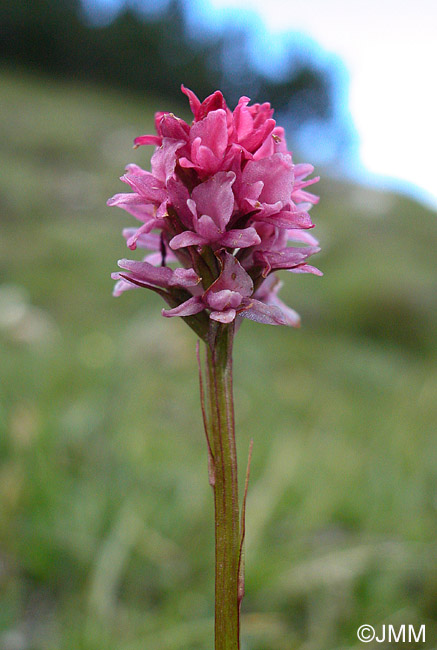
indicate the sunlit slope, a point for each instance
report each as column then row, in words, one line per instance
column 105, row 511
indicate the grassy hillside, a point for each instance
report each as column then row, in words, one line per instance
column 106, row 536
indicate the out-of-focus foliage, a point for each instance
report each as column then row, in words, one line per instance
column 156, row 54
column 106, row 533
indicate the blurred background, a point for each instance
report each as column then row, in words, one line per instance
column 106, row 530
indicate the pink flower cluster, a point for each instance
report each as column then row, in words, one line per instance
column 225, row 202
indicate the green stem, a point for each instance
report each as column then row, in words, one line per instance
column 221, row 435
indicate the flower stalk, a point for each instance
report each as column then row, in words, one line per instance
column 218, row 410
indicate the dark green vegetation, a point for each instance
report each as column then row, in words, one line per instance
column 160, row 49
column 106, row 537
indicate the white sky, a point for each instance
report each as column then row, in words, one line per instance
column 390, row 50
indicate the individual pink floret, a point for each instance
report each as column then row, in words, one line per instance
column 211, row 206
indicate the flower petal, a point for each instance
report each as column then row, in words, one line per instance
column 267, row 293
column 287, row 219
column 207, row 229
column 215, row 198
column 145, row 272
column 184, row 278
column 121, row 285
column 262, row 313
column 144, row 229
column 240, row 238
column 287, row 258
column 147, row 139
column 188, row 308
column 164, row 159
column 156, row 258
column 213, row 102
column 178, row 196
column 223, row 316
column 186, row 238
column 146, row 185
column 306, row 268
column 209, row 138
column 276, row 172
column 302, row 236
column 232, row 276
column 151, row 241
column 193, row 99
column 224, row 299
column 173, row 127
column 134, row 204
column 300, row 196
column 302, row 169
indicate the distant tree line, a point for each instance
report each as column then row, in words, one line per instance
column 154, row 55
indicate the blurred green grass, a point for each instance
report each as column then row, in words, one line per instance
column 106, row 535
